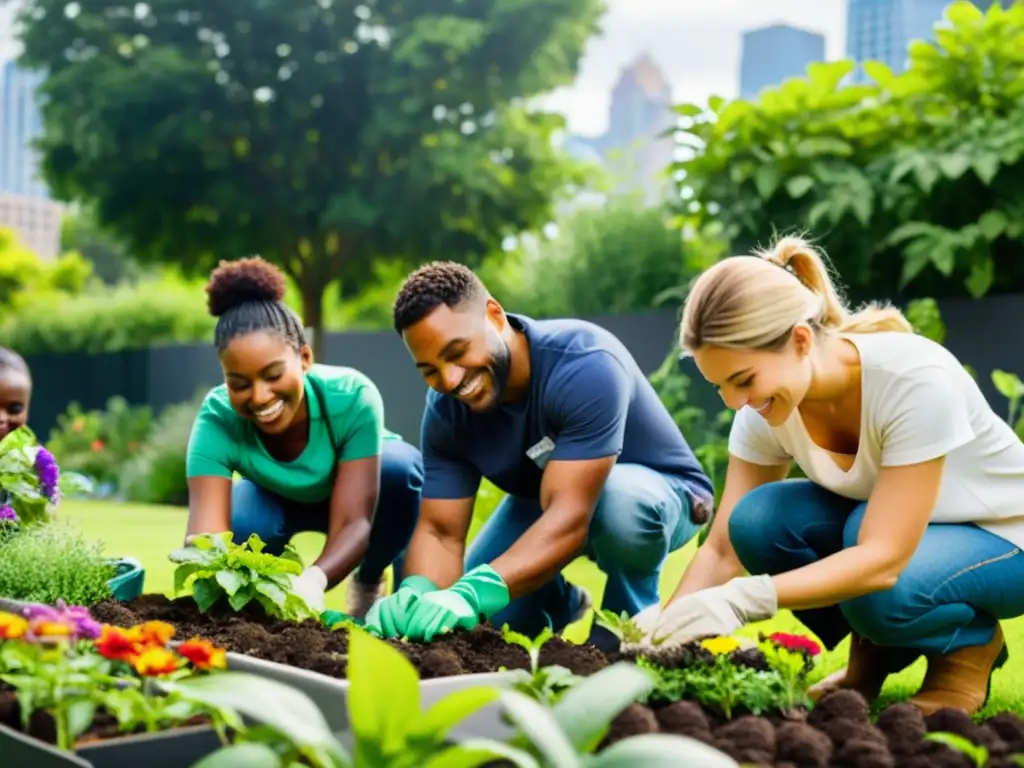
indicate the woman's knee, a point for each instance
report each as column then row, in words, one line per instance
column 888, row 617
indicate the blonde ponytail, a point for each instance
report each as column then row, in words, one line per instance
column 753, row 302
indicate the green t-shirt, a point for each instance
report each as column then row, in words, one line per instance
column 222, row 442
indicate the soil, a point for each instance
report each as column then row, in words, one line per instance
column 837, row 733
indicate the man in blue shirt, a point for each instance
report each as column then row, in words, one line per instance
column 557, row 414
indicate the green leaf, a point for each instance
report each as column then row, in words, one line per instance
column 193, row 555
column 384, row 693
column 767, row 180
column 964, row 14
column 1008, row 384
column 241, row 598
column 975, row 752
column 281, row 706
column 981, row 277
column 453, row 709
column 823, row 145
column 182, row 574
column 231, row 581
column 986, row 166
column 271, row 591
column 992, row 224
column 206, row 592
column 879, row 72
column 654, row 750
column 477, row 752
column 585, row 711
column 244, row 755
column 80, row 716
column 798, row 186
column 541, row 729
column 954, row 164
column 688, row 110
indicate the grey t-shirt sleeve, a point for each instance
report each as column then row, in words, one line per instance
column 446, row 474
column 590, row 402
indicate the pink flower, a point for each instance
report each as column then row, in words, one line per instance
column 800, row 643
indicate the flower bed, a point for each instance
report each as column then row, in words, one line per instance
column 715, row 692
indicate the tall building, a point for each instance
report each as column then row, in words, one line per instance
column 772, row 54
column 633, row 147
column 882, row 30
column 20, row 123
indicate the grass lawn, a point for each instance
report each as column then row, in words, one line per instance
column 150, row 532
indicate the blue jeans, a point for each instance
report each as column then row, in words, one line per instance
column 959, row 583
column 276, row 520
column 640, row 517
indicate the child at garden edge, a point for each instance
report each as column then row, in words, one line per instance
column 344, row 475
column 907, row 532
column 15, row 391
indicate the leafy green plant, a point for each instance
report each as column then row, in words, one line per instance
column 620, row 625
column 1010, row 386
column 31, row 483
column 545, row 684
column 214, row 567
column 46, row 562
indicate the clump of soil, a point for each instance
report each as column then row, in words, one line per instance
column 312, row 646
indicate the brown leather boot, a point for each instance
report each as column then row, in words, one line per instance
column 865, row 672
column 961, row 679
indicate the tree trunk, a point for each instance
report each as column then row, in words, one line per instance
column 312, row 291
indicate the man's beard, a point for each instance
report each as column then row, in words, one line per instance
column 500, row 367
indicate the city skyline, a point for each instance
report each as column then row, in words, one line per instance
column 697, row 46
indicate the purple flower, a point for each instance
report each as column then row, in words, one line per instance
column 48, row 472
column 76, row 618
column 8, row 515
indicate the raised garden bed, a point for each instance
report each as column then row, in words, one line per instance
column 838, row 732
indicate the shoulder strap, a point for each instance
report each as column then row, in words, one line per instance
column 321, row 399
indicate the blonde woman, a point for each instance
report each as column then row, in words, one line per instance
column 907, row 532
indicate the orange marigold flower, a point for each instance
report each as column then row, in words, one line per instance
column 12, row 626
column 155, row 632
column 203, row 654
column 43, row 629
column 154, row 661
column 119, row 644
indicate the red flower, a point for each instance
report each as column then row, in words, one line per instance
column 795, row 643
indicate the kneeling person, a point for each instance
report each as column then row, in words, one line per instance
column 558, row 415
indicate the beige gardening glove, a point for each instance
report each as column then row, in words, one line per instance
column 714, row 611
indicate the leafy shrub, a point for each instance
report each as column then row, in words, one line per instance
column 48, row 561
column 155, row 474
column 98, row 443
column 164, row 311
column 215, row 568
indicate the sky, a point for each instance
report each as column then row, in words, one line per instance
column 696, row 43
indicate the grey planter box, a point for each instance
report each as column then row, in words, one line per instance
column 330, row 694
column 178, row 748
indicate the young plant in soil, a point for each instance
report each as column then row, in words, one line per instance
column 544, row 684
column 216, row 568
column 65, row 669
column 619, row 624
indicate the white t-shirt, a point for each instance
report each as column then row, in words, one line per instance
column 917, row 403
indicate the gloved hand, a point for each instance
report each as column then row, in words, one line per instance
column 310, row 585
column 478, row 595
column 713, row 611
column 389, row 616
column 331, row 619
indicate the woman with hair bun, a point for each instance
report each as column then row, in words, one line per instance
column 308, row 440
column 907, row 531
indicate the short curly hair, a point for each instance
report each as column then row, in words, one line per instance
column 247, row 295
column 430, row 286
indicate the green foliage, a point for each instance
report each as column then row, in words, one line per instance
column 911, row 181
column 924, row 316
column 324, row 136
column 155, row 473
column 24, row 276
column 545, row 684
column 48, row 561
column 165, row 311
column 30, row 480
column 215, row 567
column 620, row 625
column 1010, row 386
column 612, row 258
column 109, row 258
column 97, row 443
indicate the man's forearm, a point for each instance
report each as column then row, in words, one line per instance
column 434, row 555
column 547, row 546
column 344, row 550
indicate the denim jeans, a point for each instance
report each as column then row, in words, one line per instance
column 640, row 517
column 276, row 520
column 959, row 583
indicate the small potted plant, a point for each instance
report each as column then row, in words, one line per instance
column 31, row 489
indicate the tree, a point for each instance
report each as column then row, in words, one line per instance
column 914, row 183
column 322, row 134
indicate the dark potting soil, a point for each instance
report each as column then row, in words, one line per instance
column 312, row 646
column 837, row 733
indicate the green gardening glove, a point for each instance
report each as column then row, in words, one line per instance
column 389, row 616
column 477, row 596
column 332, row 619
